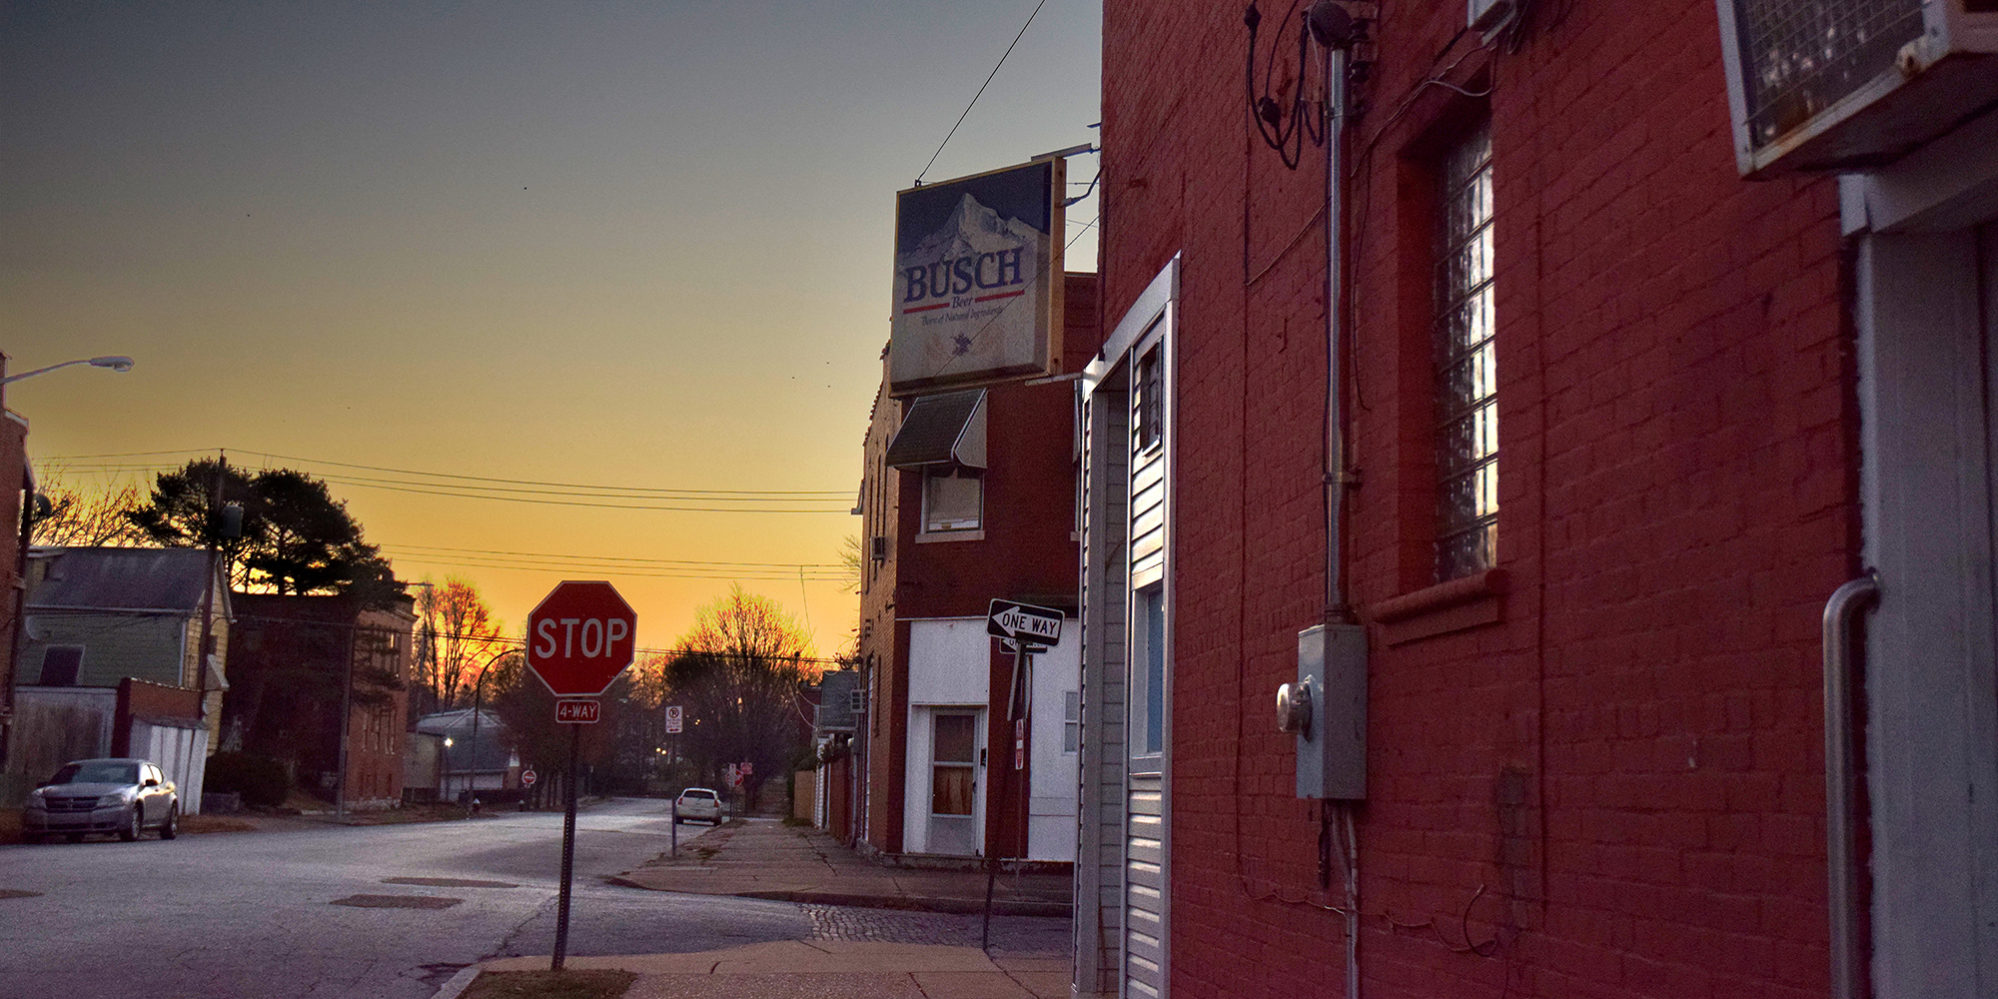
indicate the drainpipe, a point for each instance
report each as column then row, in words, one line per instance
column 1848, row 972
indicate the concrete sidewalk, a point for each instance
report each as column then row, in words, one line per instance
column 821, row 969
column 766, row 859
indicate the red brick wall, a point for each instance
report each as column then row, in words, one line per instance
column 1620, row 779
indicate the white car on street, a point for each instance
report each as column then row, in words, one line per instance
column 698, row 803
column 121, row 796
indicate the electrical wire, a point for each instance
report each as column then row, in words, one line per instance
column 663, row 492
column 981, row 92
column 786, row 566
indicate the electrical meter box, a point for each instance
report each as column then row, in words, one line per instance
column 1332, row 745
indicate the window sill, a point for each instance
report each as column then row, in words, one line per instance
column 934, row 537
column 1457, row 605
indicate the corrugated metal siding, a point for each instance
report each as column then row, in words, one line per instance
column 1145, row 887
column 1104, row 597
column 1146, row 868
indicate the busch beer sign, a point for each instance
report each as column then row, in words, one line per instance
column 978, row 279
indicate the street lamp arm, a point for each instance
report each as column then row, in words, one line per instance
column 115, row 362
column 478, row 692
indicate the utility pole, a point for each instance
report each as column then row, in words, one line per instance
column 346, row 723
column 221, row 522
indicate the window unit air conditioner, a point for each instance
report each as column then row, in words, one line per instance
column 1852, row 85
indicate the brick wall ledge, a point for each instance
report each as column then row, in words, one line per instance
column 1450, row 606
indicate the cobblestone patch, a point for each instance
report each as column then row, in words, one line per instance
column 839, row 922
column 1031, row 936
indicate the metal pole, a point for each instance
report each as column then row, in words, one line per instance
column 346, row 724
column 1842, row 611
column 998, row 795
column 472, row 786
column 568, row 852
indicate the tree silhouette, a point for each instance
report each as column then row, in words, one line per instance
column 295, row 537
column 738, row 676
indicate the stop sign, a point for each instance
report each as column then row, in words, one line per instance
column 580, row 637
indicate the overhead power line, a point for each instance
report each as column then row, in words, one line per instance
column 981, row 91
column 456, row 485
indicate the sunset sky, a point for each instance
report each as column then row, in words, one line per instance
column 430, row 251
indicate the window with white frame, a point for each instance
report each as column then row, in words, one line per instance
column 1071, row 721
column 953, row 500
column 1466, row 368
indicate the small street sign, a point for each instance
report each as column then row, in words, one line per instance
column 745, row 768
column 1024, row 623
column 578, row 711
column 674, row 719
column 527, row 778
column 580, row 637
column 1020, row 744
column 731, row 775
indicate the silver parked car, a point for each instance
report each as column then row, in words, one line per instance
column 697, row 803
column 123, row 796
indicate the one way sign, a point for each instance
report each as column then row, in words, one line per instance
column 1023, row 623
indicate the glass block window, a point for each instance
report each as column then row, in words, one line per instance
column 1466, row 375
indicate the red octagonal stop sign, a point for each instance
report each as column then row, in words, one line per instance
column 580, row 637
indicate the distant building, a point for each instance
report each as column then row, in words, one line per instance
column 96, row 618
column 969, row 496
column 476, row 752
column 834, row 788
column 295, row 661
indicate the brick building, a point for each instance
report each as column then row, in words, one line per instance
column 966, row 497
column 1603, row 429
column 295, row 662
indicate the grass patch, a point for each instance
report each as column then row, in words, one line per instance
column 550, row 985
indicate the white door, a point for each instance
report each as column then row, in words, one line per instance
column 956, row 812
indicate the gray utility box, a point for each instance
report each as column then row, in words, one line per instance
column 1332, row 747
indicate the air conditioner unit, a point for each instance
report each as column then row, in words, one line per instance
column 878, row 548
column 1815, row 85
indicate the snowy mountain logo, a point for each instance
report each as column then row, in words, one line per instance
column 975, row 256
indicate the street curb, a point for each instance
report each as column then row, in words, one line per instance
column 951, row 906
column 458, row 984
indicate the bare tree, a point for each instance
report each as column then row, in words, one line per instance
column 77, row 518
column 739, row 674
column 468, row 635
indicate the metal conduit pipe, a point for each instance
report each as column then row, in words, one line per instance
column 1334, row 30
column 1842, row 611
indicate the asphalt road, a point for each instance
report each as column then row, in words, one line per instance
column 253, row 914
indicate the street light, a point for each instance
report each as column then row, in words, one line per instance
column 478, row 692
column 116, row 362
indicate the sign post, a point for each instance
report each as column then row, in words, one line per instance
column 579, row 638
column 1025, row 629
